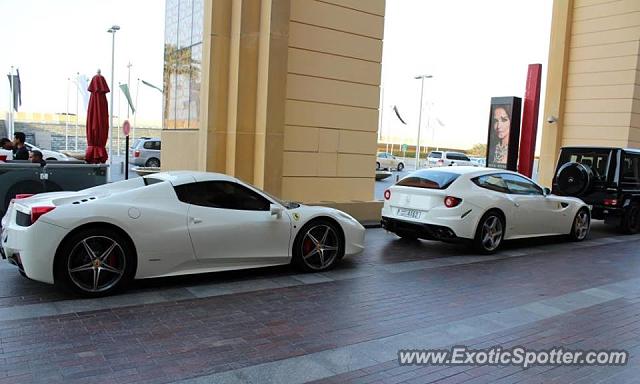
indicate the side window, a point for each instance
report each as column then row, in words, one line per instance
column 156, row 145
column 492, row 182
column 148, row 145
column 222, row 194
column 435, row 155
column 631, row 170
column 520, row 186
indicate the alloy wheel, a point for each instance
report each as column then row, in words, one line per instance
column 581, row 225
column 491, row 233
column 320, row 246
column 96, row 264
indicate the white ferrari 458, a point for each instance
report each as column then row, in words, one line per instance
column 97, row 240
column 482, row 205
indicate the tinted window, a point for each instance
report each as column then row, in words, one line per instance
column 222, row 194
column 457, row 156
column 435, row 155
column 429, row 179
column 382, row 155
column 152, row 180
column 595, row 159
column 156, row 145
column 492, row 182
column 148, row 145
column 631, row 169
column 520, row 186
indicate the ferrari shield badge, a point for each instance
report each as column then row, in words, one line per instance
column 296, row 216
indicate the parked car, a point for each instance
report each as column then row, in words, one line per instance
column 385, row 160
column 97, row 240
column 49, row 155
column 482, row 206
column 479, row 161
column 145, row 152
column 608, row 179
column 446, row 159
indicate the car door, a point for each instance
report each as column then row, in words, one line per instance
column 535, row 214
column 231, row 225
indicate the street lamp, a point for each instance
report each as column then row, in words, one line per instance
column 421, row 78
column 112, row 31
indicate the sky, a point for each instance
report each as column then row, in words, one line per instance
column 473, row 49
column 50, row 41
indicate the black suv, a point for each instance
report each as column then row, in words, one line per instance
column 608, row 179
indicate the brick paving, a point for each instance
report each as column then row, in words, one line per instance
column 203, row 338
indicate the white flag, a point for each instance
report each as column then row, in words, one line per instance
column 82, row 82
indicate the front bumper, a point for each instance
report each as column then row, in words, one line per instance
column 420, row 230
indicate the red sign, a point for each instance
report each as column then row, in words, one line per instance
column 126, row 127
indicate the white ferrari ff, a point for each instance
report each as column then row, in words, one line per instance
column 483, row 205
column 96, row 240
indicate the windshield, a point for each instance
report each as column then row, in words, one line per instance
column 596, row 159
column 429, row 179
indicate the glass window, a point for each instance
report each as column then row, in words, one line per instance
column 148, row 145
column 435, row 155
column 520, row 186
column 596, row 159
column 492, row 182
column 631, row 169
column 429, row 179
column 222, row 194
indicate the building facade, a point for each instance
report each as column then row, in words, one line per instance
column 593, row 79
column 283, row 94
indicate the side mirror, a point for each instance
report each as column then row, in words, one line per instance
column 276, row 210
column 546, row 191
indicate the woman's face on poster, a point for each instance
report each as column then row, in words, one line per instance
column 501, row 123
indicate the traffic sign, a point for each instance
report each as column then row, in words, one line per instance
column 126, row 127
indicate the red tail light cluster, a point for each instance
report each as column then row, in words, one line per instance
column 440, row 162
column 36, row 212
column 387, row 194
column 611, row 202
column 23, row 196
column 451, row 201
column 136, row 154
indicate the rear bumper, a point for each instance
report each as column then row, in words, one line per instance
column 421, row 230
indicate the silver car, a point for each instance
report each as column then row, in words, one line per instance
column 445, row 159
column 145, row 152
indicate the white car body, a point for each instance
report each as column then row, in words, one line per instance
column 526, row 215
column 170, row 237
column 47, row 154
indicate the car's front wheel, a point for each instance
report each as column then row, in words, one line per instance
column 318, row 246
column 489, row 233
column 95, row 262
column 631, row 220
column 581, row 226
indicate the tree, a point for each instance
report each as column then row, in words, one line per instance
column 479, row 149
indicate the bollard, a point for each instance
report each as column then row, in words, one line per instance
column 397, row 178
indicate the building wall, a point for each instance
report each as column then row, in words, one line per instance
column 332, row 99
column 593, row 78
column 289, row 97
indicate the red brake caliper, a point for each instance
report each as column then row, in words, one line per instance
column 307, row 246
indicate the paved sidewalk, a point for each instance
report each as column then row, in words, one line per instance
column 278, row 326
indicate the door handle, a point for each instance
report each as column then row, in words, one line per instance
column 516, row 203
column 196, row 220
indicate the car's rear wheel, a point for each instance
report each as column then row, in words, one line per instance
column 581, row 225
column 631, row 220
column 489, row 233
column 400, row 167
column 153, row 163
column 318, row 246
column 95, row 262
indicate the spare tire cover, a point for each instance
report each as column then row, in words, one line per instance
column 574, row 179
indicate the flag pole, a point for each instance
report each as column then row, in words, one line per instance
column 135, row 114
column 66, row 125
column 77, row 107
column 12, row 128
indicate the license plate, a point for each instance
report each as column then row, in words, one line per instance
column 411, row 213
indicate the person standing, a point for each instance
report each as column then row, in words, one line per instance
column 20, row 151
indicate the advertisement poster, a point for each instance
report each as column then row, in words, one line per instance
column 504, row 133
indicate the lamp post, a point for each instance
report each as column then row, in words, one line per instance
column 421, row 78
column 112, row 31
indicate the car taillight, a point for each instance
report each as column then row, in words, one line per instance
column 387, row 194
column 36, row 212
column 611, row 202
column 440, row 162
column 136, row 154
column 451, row 201
column 23, row 196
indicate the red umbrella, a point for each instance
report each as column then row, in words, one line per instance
column 97, row 121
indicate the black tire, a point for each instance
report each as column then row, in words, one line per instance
column 74, row 255
column 309, row 255
column 400, row 167
column 377, row 166
column 152, row 163
column 630, row 224
column 481, row 243
column 574, row 179
column 576, row 235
